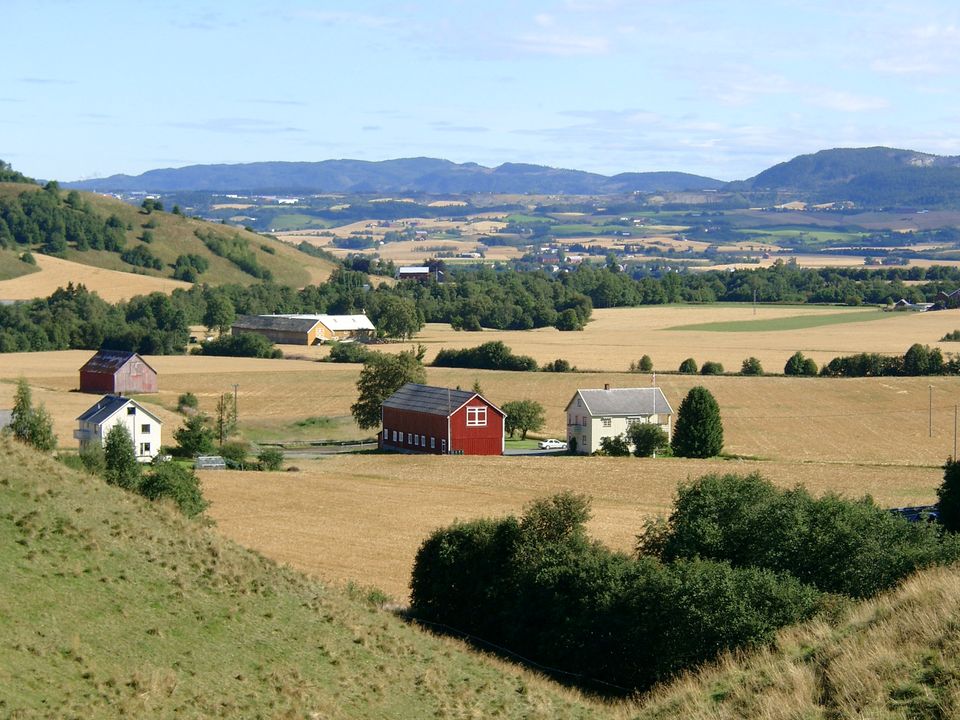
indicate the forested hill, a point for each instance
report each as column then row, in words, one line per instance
column 426, row 175
column 875, row 176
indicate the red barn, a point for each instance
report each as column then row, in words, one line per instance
column 117, row 372
column 421, row 418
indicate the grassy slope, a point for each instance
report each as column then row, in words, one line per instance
column 174, row 235
column 11, row 266
column 111, row 606
column 897, row 656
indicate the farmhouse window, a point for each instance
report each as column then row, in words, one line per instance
column 433, row 442
column 606, row 422
column 635, row 420
column 416, row 440
column 476, row 417
column 131, row 410
column 394, row 435
column 145, row 428
column 144, row 448
column 423, row 441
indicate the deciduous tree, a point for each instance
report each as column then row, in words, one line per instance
column 120, row 459
column 381, row 376
column 523, row 415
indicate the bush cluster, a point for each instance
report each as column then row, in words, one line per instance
column 241, row 345
column 489, row 356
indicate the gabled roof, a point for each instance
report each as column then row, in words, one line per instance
column 433, row 400
column 337, row 322
column 413, row 270
column 283, row 323
column 624, row 401
column 108, row 406
column 109, row 361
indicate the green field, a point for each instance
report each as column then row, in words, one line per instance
column 11, row 266
column 794, row 322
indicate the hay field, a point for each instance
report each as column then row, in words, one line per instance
column 362, row 518
column 111, row 285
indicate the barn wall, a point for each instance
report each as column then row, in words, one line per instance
column 409, row 421
column 94, row 382
column 486, row 440
column 135, row 377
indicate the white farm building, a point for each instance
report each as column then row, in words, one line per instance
column 144, row 427
column 595, row 414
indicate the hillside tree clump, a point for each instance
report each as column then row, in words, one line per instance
column 29, row 424
column 688, row 367
column 751, row 366
column 699, row 430
column 120, row 459
column 948, row 496
column 711, row 367
column 494, row 355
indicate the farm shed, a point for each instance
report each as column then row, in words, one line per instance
column 116, row 372
column 415, row 272
column 144, row 427
column 595, row 414
column 421, row 418
column 306, row 329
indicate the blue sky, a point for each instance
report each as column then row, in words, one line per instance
column 720, row 88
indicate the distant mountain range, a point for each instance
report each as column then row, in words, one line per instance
column 408, row 175
column 876, row 176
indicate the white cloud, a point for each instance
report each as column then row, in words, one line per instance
column 561, row 45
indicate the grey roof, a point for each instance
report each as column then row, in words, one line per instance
column 109, row 361
column 109, row 405
column 624, row 401
column 432, row 400
column 275, row 322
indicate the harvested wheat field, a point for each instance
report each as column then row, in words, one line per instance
column 111, row 285
column 617, row 336
column 362, row 517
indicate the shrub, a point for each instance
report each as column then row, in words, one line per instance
column 644, row 364
column 187, row 401
column 953, row 336
column 800, row 365
column 141, row 256
column 614, row 446
column 559, row 365
column 688, row 367
column 348, row 353
column 711, row 368
column 842, row 546
column 493, row 355
column 647, row 438
column 241, row 345
column 751, row 366
column 194, row 437
column 28, row 258
column 235, row 454
column 699, row 431
column 120, row 459
column 92, row 458
column 948, row 495
column 271, row 459
column 180, row 484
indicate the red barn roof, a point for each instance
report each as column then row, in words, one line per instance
column 109, row 361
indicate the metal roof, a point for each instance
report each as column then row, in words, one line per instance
column 282, row 323
column 108, row 406
column 109, row 361
column 336, row 322
column 413, row 269
column 624, row 401
column 432, row 400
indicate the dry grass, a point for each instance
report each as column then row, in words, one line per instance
column 892, row 657
column 362, row 517
column 111, row 285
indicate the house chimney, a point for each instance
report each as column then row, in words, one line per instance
column 606, row 386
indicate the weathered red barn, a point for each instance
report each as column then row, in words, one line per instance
column 421, row 418
column 117, row 372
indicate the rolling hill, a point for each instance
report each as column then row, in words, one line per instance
column 417, row 175
column 167, row 236
column 114, row 607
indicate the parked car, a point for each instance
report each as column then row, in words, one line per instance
column 552, row 444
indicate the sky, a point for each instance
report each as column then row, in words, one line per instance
column 90, row 88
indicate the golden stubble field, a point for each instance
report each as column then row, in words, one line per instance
column 111, row 285
column 362, row 518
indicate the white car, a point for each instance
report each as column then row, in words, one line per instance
column 552, row 444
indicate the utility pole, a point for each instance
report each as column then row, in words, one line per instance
column 235, row 386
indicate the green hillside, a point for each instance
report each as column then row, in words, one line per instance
column 113, row 607
column 171, row 235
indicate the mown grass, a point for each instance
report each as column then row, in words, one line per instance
column 113, row 607
column 796, row 322
column 11, row 266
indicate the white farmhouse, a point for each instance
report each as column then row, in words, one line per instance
column 595, row 414
column 143, row 426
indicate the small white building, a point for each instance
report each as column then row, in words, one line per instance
column 144, row 427
column 595, row 414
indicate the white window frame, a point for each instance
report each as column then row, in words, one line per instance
column 477, row 416
column 423, row 441
column 606, row 422
column 433, row 443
